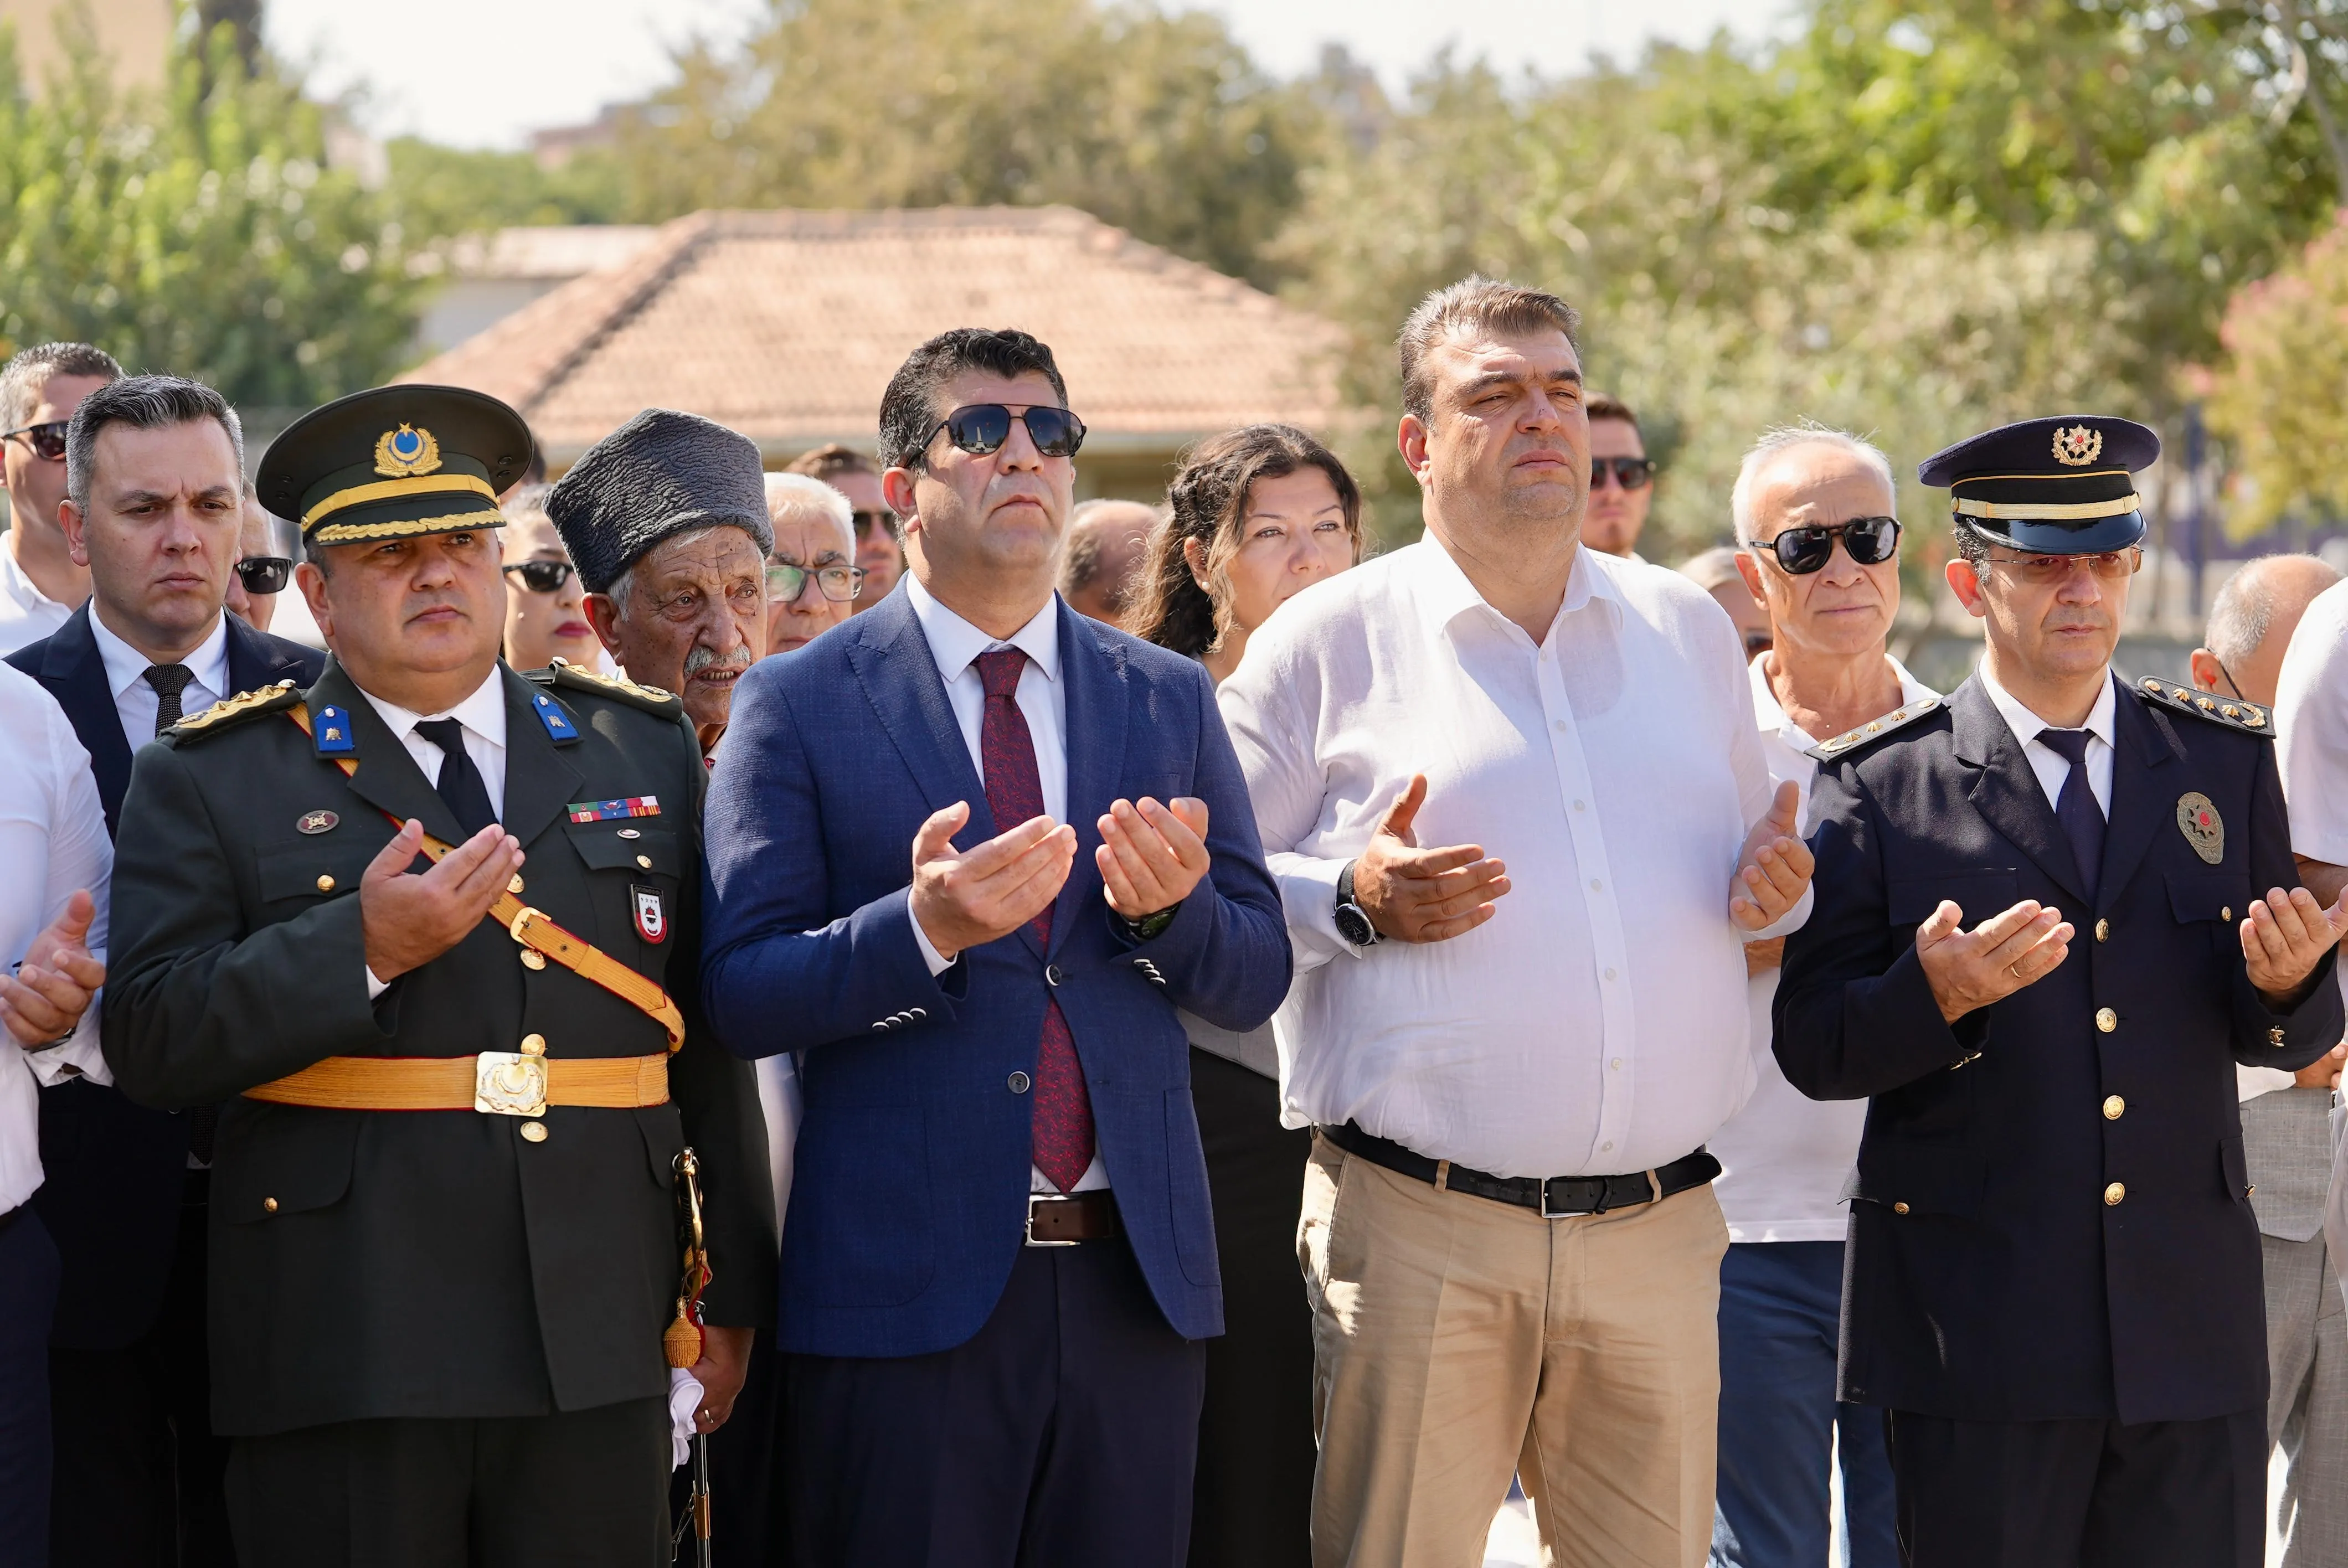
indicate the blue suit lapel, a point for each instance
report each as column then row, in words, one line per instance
column 75, row 674
column 892, row 662
column 1096, row 708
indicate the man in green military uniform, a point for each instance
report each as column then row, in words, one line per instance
column 430, row 929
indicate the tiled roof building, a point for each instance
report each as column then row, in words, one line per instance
column 787, row 324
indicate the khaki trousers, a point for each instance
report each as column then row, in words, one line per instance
column 1457, row 1339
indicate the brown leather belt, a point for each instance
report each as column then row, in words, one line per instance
column 1053, row 1220
column 496, row 1082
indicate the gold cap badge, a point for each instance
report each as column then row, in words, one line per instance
column 406, row 452
column 2078, row 446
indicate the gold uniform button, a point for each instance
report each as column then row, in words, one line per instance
column 531, row 958
column 2225, row 912
column 326, row 884
column 646, row 861
column 269, row 1206
column 2103, row 931
column 533, row 1045
column 2114, row 1193
column 2106, row 1019
column 514, row 887
column 1900, row 1208
column 535, row 1131
column 2113, row 1107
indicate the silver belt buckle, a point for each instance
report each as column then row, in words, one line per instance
column 1034, row 1198
column 509, row 1084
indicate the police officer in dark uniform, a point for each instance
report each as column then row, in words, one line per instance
column 2051, row 918
column 429, row 927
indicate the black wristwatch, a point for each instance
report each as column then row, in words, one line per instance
column 1352, row 920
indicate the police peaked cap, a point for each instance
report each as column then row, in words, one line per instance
column 394, row 463
column 661, row 474
column 2061, row 486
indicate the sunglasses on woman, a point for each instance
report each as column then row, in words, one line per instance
column 44, row 440
column 979, row 429
column 264, row 574
column 1871, row 541
column 539, row 576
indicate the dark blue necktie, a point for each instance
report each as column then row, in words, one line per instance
column 2074, row 807
column 460, row 781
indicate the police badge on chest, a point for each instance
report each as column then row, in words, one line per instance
column 652, row 919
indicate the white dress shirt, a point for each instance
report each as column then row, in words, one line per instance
column 1787, row 1157
column 2050, row 766
column 26, row 614
column 135, row 702
column 53, row 843
column 955, row 645
column 1596, row 1024
column 483, row 714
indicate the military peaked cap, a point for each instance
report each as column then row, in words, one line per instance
column 661, row 473
column 2061, row 486
column 395, row 462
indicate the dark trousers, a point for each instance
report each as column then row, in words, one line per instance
column 1252, row 1506
column 582, row 1489
column 2081, row 1494
column 1060, row 1435
column 137, row 1480
column 28, row 1295
column 1781, row 1429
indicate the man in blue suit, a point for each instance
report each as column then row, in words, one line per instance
column 154, row 509
column 967, row 853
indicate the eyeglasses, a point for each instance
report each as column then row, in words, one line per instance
column 979, row 429
column 866, row 522
column 264, row 574
column 44, row 440
column 838, row 583
column 541, row 576
column 1630, row 473
column 1871, row 541
column 2046, row 571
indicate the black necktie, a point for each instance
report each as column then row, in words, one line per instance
column 169, row 680
column 2074, row 807
column 460, row 781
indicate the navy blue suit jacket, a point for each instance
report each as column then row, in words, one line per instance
column 112, row 1171
column 1994, row 1272
column 911, row 1183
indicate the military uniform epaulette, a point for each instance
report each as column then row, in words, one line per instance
column 651, row 699
column 1875, row 729
column 2232, row 711
column 231, row 710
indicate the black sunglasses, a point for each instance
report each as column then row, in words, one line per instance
column 1871, row 541
column 1630, row 473
column 264, row 574
column 885, row 521
column 46, row 440
column 979, row 429
column 539, row 576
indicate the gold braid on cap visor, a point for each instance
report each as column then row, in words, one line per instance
column 396, row 489
column 348, row 533
column 2047, row 511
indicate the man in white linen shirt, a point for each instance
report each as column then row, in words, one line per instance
column 1819, row 548
column 40, row 387
column 1508, row 1233
column 54, row 842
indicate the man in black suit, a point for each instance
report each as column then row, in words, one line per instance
column 2052, row 1280
column 153, row 509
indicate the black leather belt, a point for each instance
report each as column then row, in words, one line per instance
column 1555, row 1197
column 1053, row 1220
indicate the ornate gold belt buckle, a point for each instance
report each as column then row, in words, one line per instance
column 509, row 1084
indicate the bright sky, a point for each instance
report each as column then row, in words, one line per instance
column 482, row 72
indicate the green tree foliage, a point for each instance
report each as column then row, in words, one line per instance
column 203, row 234
column 437, row 191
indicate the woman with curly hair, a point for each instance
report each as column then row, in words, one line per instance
column 1258, row 515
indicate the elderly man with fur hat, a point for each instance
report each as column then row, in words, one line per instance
column 666, row 520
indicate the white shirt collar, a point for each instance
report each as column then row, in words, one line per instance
column 126, row 666
column 18, row 585
column 1447, row 594
column 483, row 712
column 2026, row 724
column 1772, row 714
column 955, row 642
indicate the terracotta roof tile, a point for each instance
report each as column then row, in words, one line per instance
column 787, row 326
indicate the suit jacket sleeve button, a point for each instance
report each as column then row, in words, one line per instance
column 1018, row 1083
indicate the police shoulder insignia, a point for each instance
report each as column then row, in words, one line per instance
column 2231, row 711
column 230, row 711
column 1875, row 729
column 580, row 679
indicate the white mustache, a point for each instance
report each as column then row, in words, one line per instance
column 701, row 659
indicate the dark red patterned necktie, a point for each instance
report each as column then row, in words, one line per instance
column 1063, row 1109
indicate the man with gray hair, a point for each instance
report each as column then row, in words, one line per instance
column 2287, row 1130
column 665, row 519
column 812, row 579
column 1104, row 548
column 40, row 584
